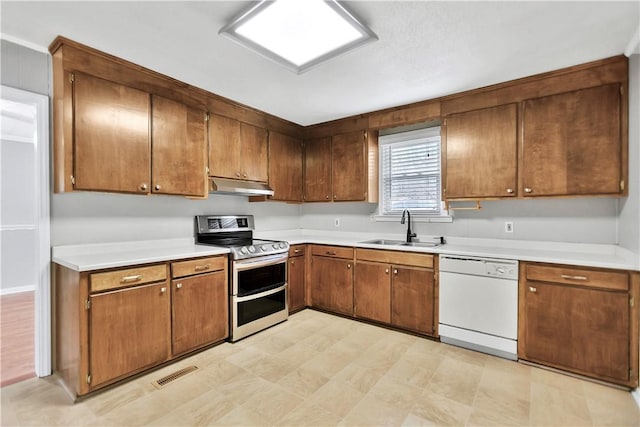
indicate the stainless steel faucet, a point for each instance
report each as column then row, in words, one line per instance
column 410, row 235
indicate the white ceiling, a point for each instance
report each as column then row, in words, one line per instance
column 426, row 49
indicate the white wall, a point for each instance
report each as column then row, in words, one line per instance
column 90, row 217
column 630, row 206
column 583, row 220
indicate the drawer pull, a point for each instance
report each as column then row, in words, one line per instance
column 202, row 267
column 568, row 277
column 296, row 251
column 178, row 285
column 131, row 279
column 331, row 253
column 532, row 289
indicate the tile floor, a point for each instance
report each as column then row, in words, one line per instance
column 317, row 369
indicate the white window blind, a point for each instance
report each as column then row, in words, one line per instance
column 410, row 172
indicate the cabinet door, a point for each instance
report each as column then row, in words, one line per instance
column 578, row 329
column 179, row 149
column 285, row 167
column 200, row 310
column 332, row 284
column 412, row 299
column 348, row 165
column 129, row 330
column 372, row 291
column 317, row 170
column 481, row 150
column 254, row 162
column 111, row 138
column 296, row 283
column 224, row 147
column 572, row 143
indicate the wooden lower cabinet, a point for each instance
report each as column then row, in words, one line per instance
column 580, row 320
column 111, row 324
column 200, row 310
column 413, row 299
column 332, row 278
column 129, row 330
column 396, row 294
column 296, row 278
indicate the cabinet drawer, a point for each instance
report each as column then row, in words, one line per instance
column 297, row 250
column 395, row 257
column 197, row 266
column 332, row 251
column 578, row 276
column 127, row 277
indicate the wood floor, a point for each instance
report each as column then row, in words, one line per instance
column 16, row 337
column 321, row 370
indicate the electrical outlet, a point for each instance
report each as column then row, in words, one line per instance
column 336, row 222
column 508, row 227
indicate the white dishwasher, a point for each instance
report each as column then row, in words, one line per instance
column 478, row 306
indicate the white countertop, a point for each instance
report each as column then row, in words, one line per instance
column 109, row 255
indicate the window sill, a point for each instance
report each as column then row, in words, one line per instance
column 414, row 218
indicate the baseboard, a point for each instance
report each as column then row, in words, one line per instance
column 636, row 395
column 17, row 290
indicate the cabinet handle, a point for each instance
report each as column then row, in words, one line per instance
column 326, row 197
column 292, row 262
column 130, row 279
column 202, row 267
column 331, row 253
column 238, row 174
column 157, row 187
column 143, row 187
column 532, row 289
column 567, row 277
column 335, row 196
column 395, row 271
column 510, row 190
column 297, row 251
column 349, row 266
column 527, row 190
column 178, row 285
column 244, row 175
column 386, row 271
column 163, row 290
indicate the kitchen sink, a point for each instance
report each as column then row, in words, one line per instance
column 388, row 242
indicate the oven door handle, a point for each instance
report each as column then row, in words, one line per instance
column 261, row 294
column 260, row 262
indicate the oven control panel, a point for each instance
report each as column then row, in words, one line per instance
column 260, row 248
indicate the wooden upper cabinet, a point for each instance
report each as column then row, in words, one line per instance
column 237, row 150
column 111, row 136
column 317, row 170
column 481, row 153
column 348, row 165
column 572, row 143
column 285, row 167
column 179, row 149
column 254, row 163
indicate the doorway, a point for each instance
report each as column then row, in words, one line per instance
column 25, row 293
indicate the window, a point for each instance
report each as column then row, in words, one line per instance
column 410, row 173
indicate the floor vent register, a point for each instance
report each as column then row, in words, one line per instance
column 165, row 381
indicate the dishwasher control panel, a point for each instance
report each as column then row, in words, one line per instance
column 477, row 266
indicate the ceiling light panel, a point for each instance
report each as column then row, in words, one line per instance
column 298, row 33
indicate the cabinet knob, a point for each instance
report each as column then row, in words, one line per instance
column 143, row 187
column 349, row 266
column 157, row 187
column 335, row 197
column 244, row 175
column 527, row 190
column 395, row 271
column 238, row 174
column 532, row 289
column 296, row 251
column 510, row 190
column 292, row 262
column 178, row 285
column 386, row 271
column 326, row 197
column 163, row 290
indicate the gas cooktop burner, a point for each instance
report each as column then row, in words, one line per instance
column 236, row 233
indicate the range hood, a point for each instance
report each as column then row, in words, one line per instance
column 239, row 188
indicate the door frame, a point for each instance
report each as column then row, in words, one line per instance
column 42, row 311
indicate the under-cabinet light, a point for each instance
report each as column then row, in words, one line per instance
column 298, row 33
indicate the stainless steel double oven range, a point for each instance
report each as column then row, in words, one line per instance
column 257, row 272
